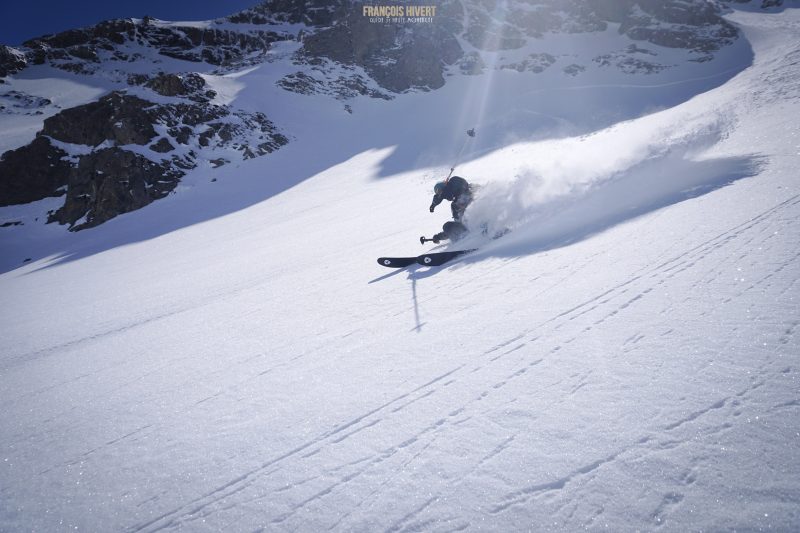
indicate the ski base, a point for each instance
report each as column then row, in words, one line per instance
column 432, row 259
column 440, row 258
column 396, row 262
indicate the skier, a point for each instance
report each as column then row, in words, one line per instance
column 459, row 193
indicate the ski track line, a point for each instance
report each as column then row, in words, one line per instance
column 385, row 455
column 671, row 268
column 107, row 444
column 401, row 525
column 221, row 295
column 653, row 444
column 172, row 518
column 442, row 423
column 436, row 427
column 521, row 496
column 701, row 251
column 386, row 481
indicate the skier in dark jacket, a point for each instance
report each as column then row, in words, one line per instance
column 459, row 193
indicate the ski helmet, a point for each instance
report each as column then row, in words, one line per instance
column 438, row 189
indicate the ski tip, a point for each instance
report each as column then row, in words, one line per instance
column 440, row 258
column 396, row 262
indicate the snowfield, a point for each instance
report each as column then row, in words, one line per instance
column 232, row 357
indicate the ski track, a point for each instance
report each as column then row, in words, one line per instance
column 600, row 308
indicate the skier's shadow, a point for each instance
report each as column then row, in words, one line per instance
column 415, row 273
column 412, row 271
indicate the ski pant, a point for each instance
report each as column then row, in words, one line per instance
column 451, row 230
column 459, row 205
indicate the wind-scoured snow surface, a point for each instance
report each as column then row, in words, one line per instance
column 627, row 358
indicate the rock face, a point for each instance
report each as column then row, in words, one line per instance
column 110, row 182
column 401, row 57
column 11, row 61
column 83, row 150
column 81, row 49
column 33, row 172
column 398, row 57
column 115, row 117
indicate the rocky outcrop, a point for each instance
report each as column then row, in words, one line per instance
column 694, row 25
column 533, row 63
column 87, row 151
column 109, row 182
column 398, row 57
column 80, row 49
column 33, row 172
column 191, row 86
column 19, row 103
column 313, row 13
column 116, row 117
column 631, row 60
column 11, row 61
column 341, row 87
column 764, row 4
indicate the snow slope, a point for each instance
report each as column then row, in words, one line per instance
column 625, row 359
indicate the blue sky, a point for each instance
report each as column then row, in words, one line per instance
column 24, row 19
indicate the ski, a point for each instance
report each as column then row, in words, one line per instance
column 440, row 258
column 396, row 262
column 431, row 259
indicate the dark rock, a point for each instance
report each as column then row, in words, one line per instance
column 109, row 182
column 32, row 172
column 84, row 52
column 301, row 83
column 16, row 102
column 309, row 12
column 187, row 85
column 398, row 57
column 216, row 46
column 162, row 146
column 342, row 87
column 115, row 117
column 11, row 61
column 533, row 63
column 138, row 79
column 181, row 134
column 483, row 33
column 573, row 69
column 628, row 64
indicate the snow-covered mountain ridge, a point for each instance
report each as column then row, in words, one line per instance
column 336, row 51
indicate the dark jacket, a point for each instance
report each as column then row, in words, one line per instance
column 454, row 188
column 459, row 192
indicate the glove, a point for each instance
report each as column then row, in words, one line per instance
column 432, row 208
column 435, row 240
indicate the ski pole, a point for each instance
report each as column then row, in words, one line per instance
column 470, row 133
